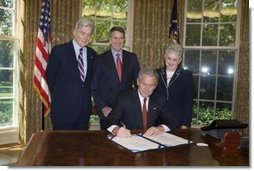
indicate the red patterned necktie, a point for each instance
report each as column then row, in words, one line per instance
column 119, row 66
column 144, row 114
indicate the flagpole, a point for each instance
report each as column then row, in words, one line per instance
column 173, row 24
column 43, row 49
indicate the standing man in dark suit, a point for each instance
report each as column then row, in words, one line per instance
column 69, row 76
column 131, row 111
column 176, row 84
column 115, row 71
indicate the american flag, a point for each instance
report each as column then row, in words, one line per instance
column 43, row 49
column 173, row 26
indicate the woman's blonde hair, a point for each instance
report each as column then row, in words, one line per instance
column 174, row 48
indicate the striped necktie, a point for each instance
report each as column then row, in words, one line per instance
column 81, row 65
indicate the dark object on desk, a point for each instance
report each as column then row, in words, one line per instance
column 218, row 128
column 229, row 145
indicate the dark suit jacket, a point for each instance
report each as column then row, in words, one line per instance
column 106, row 84
column 179, row 94
column 70, row 100
column 128, row 110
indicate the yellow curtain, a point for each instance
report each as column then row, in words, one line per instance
column 242, row 93
column 64, row 14
column 151, row 29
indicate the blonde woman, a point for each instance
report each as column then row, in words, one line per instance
column 176, row 84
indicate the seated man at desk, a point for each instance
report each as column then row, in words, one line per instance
column 131, row 109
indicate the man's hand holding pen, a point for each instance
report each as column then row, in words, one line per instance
column 121, row 132
column 124, row 132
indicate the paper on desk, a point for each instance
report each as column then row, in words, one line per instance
column 168, row 139
column 136, row 143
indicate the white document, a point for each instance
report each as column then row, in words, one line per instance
column 168, row 139
column 136, row 143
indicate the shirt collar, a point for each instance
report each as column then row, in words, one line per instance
column 77, row 47
column 114, row 53
column 141, row 98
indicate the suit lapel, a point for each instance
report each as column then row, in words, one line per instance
column 163, row 76
column 175, row 76
column 89, row 61
column 137, row 106
column 112, row 66
column 125, row 62
column 73, row 61
column 152, row 110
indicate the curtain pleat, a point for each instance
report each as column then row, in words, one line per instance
column 64, row 15
column 241, row 106
column 151, row 30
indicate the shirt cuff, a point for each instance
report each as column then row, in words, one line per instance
column 166, row 129
column 110, row 129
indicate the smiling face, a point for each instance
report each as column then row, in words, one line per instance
column 117, row 40
column 146, row 84
column 82, row 35
column 173, row 56
column 172, row 60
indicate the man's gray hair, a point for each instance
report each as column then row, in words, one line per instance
column 84, row 22
column 148, row 71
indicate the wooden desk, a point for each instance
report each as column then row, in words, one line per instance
column 92, row 148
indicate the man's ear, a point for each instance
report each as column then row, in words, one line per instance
column 137, row 82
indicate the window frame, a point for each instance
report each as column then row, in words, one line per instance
column 128, row 32
column 236, row 48
column 9, row 134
